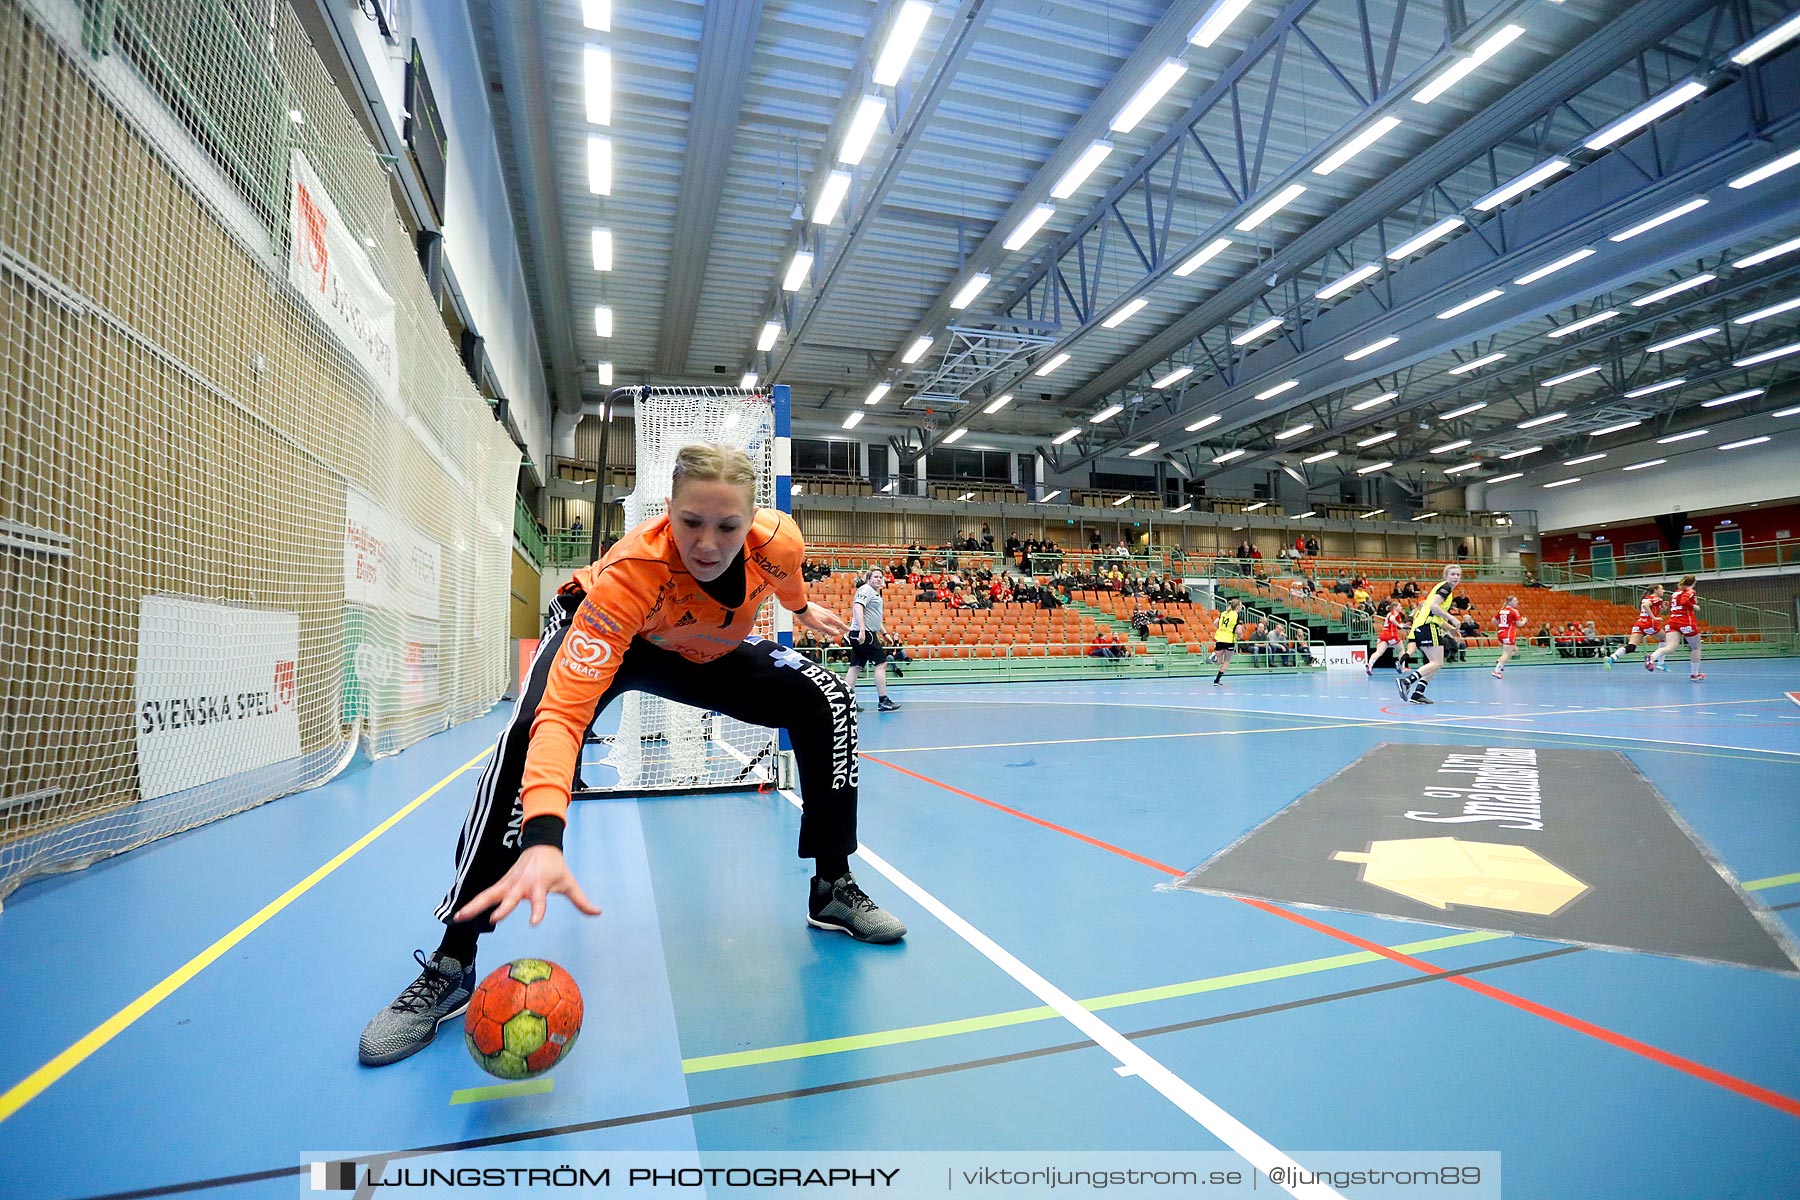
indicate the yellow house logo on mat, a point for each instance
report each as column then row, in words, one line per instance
column 1443, row 871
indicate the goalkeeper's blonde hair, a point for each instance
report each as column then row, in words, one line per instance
column 711, row 462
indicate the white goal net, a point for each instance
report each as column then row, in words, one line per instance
column 662, row 746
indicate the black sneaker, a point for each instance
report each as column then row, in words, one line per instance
column 1422, row 698
column 887, row 705
column 407, row 1026
column 843, row 906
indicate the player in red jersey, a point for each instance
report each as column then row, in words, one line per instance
column 1645, row 628
column 1683, row 625
column 1390, row 638
column 1507, row 619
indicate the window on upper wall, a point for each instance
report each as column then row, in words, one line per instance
column 967, row 466
column 819, row 456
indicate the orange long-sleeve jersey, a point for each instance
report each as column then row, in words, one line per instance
column 641, row 589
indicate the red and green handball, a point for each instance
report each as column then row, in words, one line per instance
column 523, row 1019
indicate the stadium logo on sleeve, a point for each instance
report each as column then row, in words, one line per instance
column 1567, row 845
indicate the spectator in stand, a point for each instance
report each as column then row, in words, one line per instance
column 1462, row 551
column 1312, row 547
column 575, row 529
column 1140, row 621
column 987, row 537
column 1299, row 546
column 1106, row 646
column 1543, row 637
column 1094, row 540
column 1279, row 654
column 1302, row 644
column 1411, row 590
column 1359, row 597
column 915, row 558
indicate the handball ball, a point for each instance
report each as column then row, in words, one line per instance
column 523, row 1019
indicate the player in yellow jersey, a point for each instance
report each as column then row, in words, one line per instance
column 1225, row 637
column 1428, row 634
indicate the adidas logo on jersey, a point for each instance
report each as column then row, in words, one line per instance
column 687, row 618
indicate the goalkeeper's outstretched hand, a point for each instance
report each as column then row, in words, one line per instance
column 539, row 873
column 822, row 621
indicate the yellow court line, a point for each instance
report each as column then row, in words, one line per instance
column 28, row 1088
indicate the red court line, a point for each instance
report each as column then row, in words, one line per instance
column 1742, row 1087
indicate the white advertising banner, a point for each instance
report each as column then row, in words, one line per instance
column 217, row 691
column 326, row 264
column 388, row 564
column 1345, row 658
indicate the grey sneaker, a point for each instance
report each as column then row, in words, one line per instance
column 843, row 906
column 407, row 1026
column 887, row 705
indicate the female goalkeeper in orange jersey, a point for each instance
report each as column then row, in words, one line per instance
column 669, row 611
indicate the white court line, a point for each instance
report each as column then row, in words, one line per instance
column 1133, row 1060
column 1324, row 721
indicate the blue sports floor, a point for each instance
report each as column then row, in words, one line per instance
column 196, row 1003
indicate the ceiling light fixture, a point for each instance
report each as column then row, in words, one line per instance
column 1029, row 224
column 1371, row 348
column 831, row 197
column 1474, row 302
column 1521, row 184
column 974, row 287
column 1683, row 339
column 1425, row 237
column 1675, row 289
column 1128, row 310
column 1201, row 257
column 1154, row 88
column 1346, row 282
column 1662, row 218
column 1270, row 207
column 1645, row 113
column 1077, row 174
column 1255, row 331
column 1589, row 322
column 862, row 129
column 1477, row 364
column 1548, row 269
column 1377, row 130
column 902, row 37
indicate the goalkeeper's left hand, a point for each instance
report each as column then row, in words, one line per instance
column 822, row 621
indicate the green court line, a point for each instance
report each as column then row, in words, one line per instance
column 1025, row 1016
column 503, row 1091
